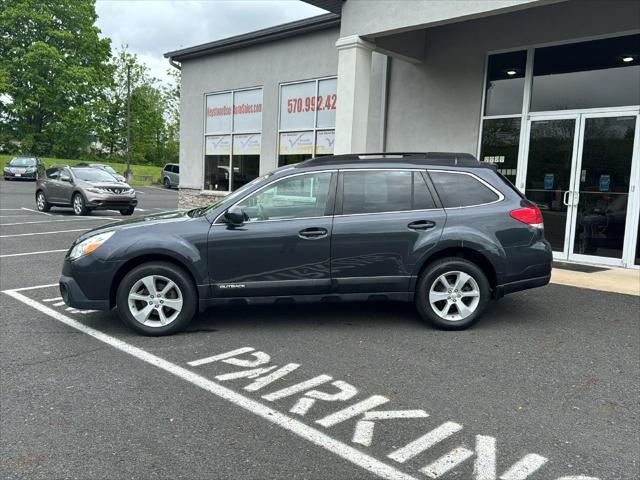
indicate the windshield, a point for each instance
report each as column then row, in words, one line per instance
column 110, row 170
column 22, row 162
column 236, row 194
column 93, row 175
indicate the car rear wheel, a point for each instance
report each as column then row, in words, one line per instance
column 41, row 202
column 452, row 293
column 156, row 299
column 166, row 182
column 79, row 206
column 127, row 211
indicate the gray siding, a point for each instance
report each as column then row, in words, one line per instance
column 297, row 58
column 436, row 105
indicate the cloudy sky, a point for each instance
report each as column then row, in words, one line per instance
column 153, row 27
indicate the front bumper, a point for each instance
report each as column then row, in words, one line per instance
column 111, row 202
column 86, row 282
column 73, row 296
column 21, row 175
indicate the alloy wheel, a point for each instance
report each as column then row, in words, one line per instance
column 40, row 201
column 155, row 301
column 77, row 204
column 454, row 295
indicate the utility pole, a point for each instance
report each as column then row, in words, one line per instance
column 128, row 174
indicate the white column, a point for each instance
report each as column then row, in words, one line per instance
column 354, row 78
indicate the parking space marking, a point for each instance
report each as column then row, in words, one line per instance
column 56, row 221
column 43, row 233
column 363, row 412
column 313, row 435
column 34, row 211
column 32, row 253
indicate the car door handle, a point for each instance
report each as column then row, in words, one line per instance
column 421, row 225
column 313, row 233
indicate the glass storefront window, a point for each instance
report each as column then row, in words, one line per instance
column 307, row 118
column 604, row 186
column 500, row 143
column 505, row 83
column 217, row 172
column 598, row 73
column 232, row 154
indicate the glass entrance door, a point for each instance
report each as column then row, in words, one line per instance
column 579, row 173
column 602, row 186
column 549, row 181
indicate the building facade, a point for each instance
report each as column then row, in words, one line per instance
column 549, row 91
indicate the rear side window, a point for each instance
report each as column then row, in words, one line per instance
column 167, row 168
column 461, row 190
column 384, row 191
column 53, row 173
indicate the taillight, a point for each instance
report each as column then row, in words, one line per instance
column 530, row 215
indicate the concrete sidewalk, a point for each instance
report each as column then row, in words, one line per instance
column 618, row 280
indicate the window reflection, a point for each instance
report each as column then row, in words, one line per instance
column 505, row 83
column 500, row 142
column 604, row 186
column 599, row 73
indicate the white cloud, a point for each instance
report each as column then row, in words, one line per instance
column 152, row 27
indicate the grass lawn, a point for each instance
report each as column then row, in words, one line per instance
column 139, row 171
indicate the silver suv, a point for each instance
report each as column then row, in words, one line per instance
column 171, row 175
column 84, row 189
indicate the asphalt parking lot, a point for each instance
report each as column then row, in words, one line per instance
column 545, row 387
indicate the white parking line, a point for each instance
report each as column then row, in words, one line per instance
column 32, row 253
column 341, row 449
column 43, row 233
column 35, row 211
column 56, row 221
column 51, row 299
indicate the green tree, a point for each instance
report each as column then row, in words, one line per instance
column 53, row 73
column 149, row 99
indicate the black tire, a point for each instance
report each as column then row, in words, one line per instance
column 166, row 182
column 186, row 289
column 44, row 205
column 127, row 211
column 449, row 304
column 78, row 204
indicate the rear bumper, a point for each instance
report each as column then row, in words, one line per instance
column 526, row 284
column 73, row 296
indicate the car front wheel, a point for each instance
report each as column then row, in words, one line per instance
column 79, row 206
column 41, row 202
column 156, row 299
column 127, row 211
column 452, row 293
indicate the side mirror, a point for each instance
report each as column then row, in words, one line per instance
column 65, row 178
column 235, row 216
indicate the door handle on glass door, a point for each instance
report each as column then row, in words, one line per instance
column 565, row 197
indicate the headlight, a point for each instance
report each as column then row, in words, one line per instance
column 97, row 190
column 87, row 246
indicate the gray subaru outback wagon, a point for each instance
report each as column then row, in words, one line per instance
column 439, row 229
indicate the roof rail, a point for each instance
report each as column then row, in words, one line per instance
column 432, row 158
